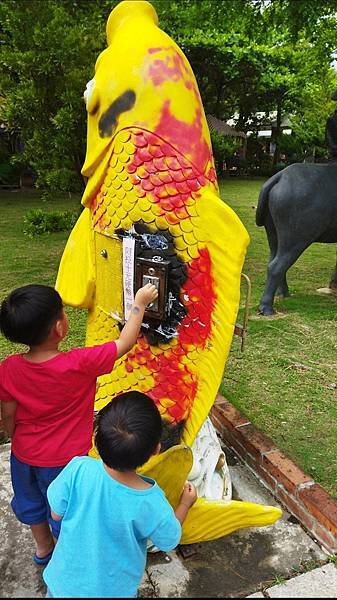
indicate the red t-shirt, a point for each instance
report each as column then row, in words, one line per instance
column 55, row 402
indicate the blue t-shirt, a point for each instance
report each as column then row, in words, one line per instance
column 101, row 551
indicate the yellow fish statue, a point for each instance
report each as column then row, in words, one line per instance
column 152, row 195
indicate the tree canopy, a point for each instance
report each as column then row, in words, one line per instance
column 248, row 56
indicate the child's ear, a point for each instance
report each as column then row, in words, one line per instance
column 61, row 328
column 58, row 328
column 157, row 449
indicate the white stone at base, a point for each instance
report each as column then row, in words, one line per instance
column 210, row 480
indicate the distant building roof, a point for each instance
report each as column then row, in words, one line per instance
column 223, row 128
column 264, row 120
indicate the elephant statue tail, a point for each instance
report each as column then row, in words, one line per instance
column 263, row 197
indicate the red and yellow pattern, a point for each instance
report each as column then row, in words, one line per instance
column 149, row 180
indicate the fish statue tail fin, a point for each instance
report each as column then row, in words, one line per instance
column 211, row 519
column 207, row 519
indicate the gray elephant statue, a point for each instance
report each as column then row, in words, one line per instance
column 297, row 207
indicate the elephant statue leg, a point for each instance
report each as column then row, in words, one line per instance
column 277, row 270
column 283, row 289
column 271, row 232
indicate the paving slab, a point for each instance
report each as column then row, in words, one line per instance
column 20, row 577
column 235, row 566
column 318, row 583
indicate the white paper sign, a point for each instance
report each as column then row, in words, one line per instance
column 128, row 274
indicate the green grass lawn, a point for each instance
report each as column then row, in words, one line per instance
column 295, row 406
column 33, row 260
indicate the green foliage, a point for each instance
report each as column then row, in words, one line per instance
column 248, row 56
column 259, row 162
column 223, row 147
column 279, row 580
column 48, row 53
column 9, row 174
column 36, row 221
column 304, row 17
column 309, row 120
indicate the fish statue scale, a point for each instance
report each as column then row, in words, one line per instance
column 151, row 177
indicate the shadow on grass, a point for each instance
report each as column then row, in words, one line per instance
column 313, row 306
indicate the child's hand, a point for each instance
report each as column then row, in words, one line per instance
column 146, row 295
column 189, row 495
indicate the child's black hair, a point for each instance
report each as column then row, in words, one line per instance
column 29, row 312
column 128, row 430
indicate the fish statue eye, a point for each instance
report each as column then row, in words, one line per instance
column 91, row 96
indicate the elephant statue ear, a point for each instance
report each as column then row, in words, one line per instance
column 334, row 95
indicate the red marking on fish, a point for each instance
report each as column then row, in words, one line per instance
column 160, row 71
column 169, row 68
column 189, row 136
column 199, row 297
column 171, row 378
column 154, row 50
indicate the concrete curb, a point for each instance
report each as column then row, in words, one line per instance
column 297, row 492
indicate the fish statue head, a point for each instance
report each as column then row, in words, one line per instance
column 143, row 79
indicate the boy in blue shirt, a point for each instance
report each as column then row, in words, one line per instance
column 108, row 511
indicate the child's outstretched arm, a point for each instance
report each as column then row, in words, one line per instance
column 130, row 331
column 167, row 534
column 188, row 497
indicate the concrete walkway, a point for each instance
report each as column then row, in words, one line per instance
column 318, row 583
column 239, row 565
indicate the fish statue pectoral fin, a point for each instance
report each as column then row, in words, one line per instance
column 170, row 470
column 210, row 519
column 76, row 276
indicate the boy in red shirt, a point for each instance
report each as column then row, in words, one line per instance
column 47, row 398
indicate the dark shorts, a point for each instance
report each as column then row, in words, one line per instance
column 30, row 484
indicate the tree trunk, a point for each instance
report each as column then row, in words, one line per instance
column 218, row 97
column 277, row 132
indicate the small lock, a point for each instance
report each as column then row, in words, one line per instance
column 104, row 253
